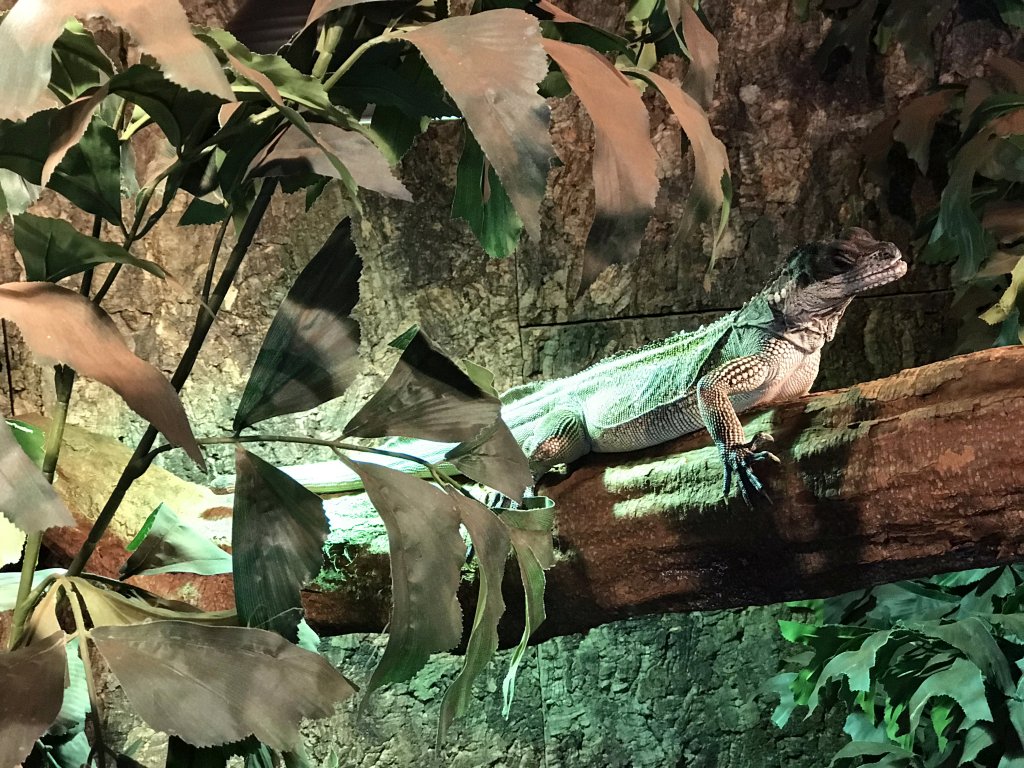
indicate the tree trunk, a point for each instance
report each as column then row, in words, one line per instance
column 899, row 478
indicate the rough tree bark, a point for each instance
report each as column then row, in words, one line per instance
column 903, row 477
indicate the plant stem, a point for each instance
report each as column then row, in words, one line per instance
column 141, row 458
column 64, row 381
column 330, row 34
column 387, row 37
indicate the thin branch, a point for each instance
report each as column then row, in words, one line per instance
column 141, row 458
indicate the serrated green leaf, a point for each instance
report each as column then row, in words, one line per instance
column 89, row 175
column 973, row 638
column 856, row 665
column 32, row 679
column 491, row 543
column 277, row 537
column 481, row 200
column 52, row 249
column 164, row 663
column 183, row 115
column 873, row 749
column 78, row 63
column 427, row 553
column 427, row 397
column 311, row 352
column 962, row 682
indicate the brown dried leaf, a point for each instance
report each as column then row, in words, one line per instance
column 160, row 29
column 322, row 7
column 427, row 553
column 61, row 326
column 295, row 153
column 26, row 499
column 625, row 163
column 1005, row 220
column 915, row 125
column 32, row 681
column 215, row 685
column 1008, row 69
column 710, row 160
column 109, row 608
column 702, row 48
column 490, row 63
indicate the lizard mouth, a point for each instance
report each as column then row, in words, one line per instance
column 885, row 265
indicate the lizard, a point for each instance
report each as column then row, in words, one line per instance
column 765, row 352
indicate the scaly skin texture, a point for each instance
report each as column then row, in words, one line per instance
column 767, row 351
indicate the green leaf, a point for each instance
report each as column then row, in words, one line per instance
column 78, row 63
column 52, row 249
column 427, row 553
column 530, row 532
column 873, row 749
column 781, row 684
column 201, row 211
column 974, row 640
column 89, row 175
column 481, row 200
column 490, row 63
column 31, row 438
column 16, row 194
column 855, row 665
column 32, row 679
column 59, row 324
column 29, row 30
column 491, row 544
column 913, row 24
column 181, row 754
column 311, row 352
column 426, row 397
column 852, row 33
column 957, row 222
column 1012, row 12
column 162, row 664
column 962, row 682
column 277, row 538
column 184, row 116
column 166, row 545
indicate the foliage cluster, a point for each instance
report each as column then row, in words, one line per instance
column 339, row 104
column 932, row 672
column 949, row 161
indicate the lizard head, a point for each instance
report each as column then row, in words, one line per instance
column 821, row 278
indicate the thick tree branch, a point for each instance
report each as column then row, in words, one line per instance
column 899, row 478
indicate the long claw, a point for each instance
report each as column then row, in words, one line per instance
column 740, row 461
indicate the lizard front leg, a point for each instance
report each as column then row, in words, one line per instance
column 742, row 375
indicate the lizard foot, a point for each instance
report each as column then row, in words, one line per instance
column 740, row 461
